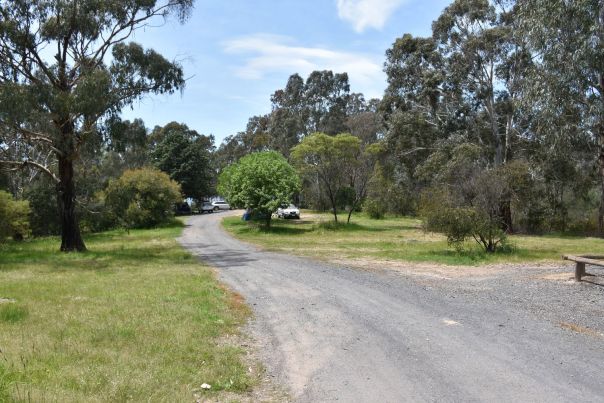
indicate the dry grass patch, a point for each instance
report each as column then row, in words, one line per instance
column 395, row 240
column 580, row 329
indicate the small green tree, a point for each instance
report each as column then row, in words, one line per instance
column 142, row 198
column 261, row 181
column 14, row 217
column 446, row 210
column 330, row 160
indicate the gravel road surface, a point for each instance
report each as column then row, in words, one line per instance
column 332, row 333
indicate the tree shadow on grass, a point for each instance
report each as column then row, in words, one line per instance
column 347, row 227
column 282, row 230
column 108, row 251
column 277, row 227
column 402, row 228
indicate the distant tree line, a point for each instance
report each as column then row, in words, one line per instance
column 493, row 124
column 499, row 116
column 125, row 166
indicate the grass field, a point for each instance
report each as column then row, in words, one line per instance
column 134, row 319
column 396, row 239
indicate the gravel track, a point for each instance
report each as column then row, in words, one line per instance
column 329, row 332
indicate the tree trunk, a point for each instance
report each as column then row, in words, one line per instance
column 600, row 87
column 498, row 144
column 601, row 210
column 350, row 214
column 71, row 239
column 332, row 199
column 505, row 211
column 601, row 162
column 601, row 151
column 509, row 127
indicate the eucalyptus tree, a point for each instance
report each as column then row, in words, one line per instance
column 486, row 62
column 256, row 137
column 128, row 140
column 326, row 96
column 289, row 115
column 304, row 107
column 567, row 84
column 363, row 118
column 65, row 65
column 333, row 161
column 417, row 106
column 462, row 85
column 186, row 156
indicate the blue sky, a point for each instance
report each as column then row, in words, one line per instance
column 236, row 53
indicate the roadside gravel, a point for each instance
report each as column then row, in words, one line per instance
column 336, row 332
column 545, row 290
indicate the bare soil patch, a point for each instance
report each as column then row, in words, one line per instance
column 447, row 272
column 581, row 329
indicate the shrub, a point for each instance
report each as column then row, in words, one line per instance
column 374, row 208
column 44, row 216
column 142, row 198
column 479, row 220
column 14, row 217
column 94, row 216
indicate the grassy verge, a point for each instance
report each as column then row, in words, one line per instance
column 396, row 239
column 137, row 318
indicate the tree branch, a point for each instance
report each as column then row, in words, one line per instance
column 35, row 136
column 24, row 164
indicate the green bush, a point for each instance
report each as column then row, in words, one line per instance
column 142, row 198
column 14, row 217
column 345, row 197
column 44, row 216
column 374, row 208
column 480, row 221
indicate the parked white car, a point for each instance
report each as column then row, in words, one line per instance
column 221, row 205
column 206, row 207
column 290, row 211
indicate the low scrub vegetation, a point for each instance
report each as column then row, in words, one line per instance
column 134, row 319
column 14, row 217
column 142, row 198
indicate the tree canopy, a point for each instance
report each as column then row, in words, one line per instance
column 330, row 160
column 54, row 103
column 186, row 156
column 261, row 181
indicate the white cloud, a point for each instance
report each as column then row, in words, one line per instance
column 266, row 54
column 367, row 13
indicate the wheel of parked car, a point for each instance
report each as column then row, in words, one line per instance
column 215, row 208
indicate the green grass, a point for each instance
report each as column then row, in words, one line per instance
column 11, row 313
column 399, row 239
column 134, row 319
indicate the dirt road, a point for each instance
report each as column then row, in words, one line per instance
column 333, row 333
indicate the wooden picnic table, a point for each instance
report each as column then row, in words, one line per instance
column 581, row 261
